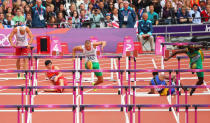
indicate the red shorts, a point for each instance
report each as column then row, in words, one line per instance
column 58, row 83
column 21, row 51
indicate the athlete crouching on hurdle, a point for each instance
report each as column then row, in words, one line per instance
column 160, row 80
column 22, row 44
column 196, row 56
column 89, row 50
column 56, row 78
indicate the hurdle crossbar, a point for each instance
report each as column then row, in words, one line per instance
column 182, row 43
column 168, row 70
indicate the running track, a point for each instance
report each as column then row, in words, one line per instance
column 96, row 116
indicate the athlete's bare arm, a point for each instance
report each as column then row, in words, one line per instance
column 75, row 49
column 14, row 31
column 102, row 43
column 175, row 53
column 29, row 35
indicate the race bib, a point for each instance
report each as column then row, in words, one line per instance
column 125, row 18
column 41, row 17
column 90, row 58
column 21, row 39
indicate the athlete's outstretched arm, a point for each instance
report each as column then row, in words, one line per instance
column 167, row 77
column 102, row 43
column 75, row 49
column 175, row 53
column 30, row 36
column 14, row 31
column 152, row 90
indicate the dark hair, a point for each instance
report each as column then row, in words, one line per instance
column 154, row 73
column 195, row 5
column 47, row 62
column 18, row 9
column 87, row 41
column 77, row 14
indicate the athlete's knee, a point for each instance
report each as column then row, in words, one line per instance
column 200, row 81
column 100, row 78
column 18, row 60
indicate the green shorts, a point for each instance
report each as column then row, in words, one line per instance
column 95, row 66
column 199, row 66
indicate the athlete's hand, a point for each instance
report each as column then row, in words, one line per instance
column 166, row 59
column 13, row 45
column 29, row 46
column 102, row 48
column 73, row 59
column 56, row 79
column 151, row 92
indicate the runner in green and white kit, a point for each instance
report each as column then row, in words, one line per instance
column 91, row 60
column 196, row 61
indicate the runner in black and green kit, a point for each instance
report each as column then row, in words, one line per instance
column 196, row 61
column 91, row 62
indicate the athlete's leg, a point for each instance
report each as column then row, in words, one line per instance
column 61, row 83
column 100, row 80
column 18, row 64
column 99, row 75
column 199, row 82
column 25, row 64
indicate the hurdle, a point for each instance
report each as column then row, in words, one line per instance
column 82, row 108
column 177, row 90
column 28, row 111
column 78, row 64
column 37, row 106
column 161, row 106
column 196, row 109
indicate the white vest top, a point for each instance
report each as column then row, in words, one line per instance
column 21, row 40
column 90, row 55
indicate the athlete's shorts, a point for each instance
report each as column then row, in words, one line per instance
column 95, row 66
column 58, row 83
column 21, row 51
column 166, row 91
column 199, row 66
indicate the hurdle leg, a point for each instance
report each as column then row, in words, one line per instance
column 134, row 101
column 134, row 59
column 83, row 116
column 74, row 89
column 126, row 98
column 74, row 113
column 119, row 67
column 36, row 74
column 139, row 115
column 18, row 114
column 126, row 67
column 177, row 76
column 196, row 115
column 131, row 115
column 26, row 90
column 170, row 95
column 112, row 67
column 26, row 114
column 121, row 81
column 22, row 103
